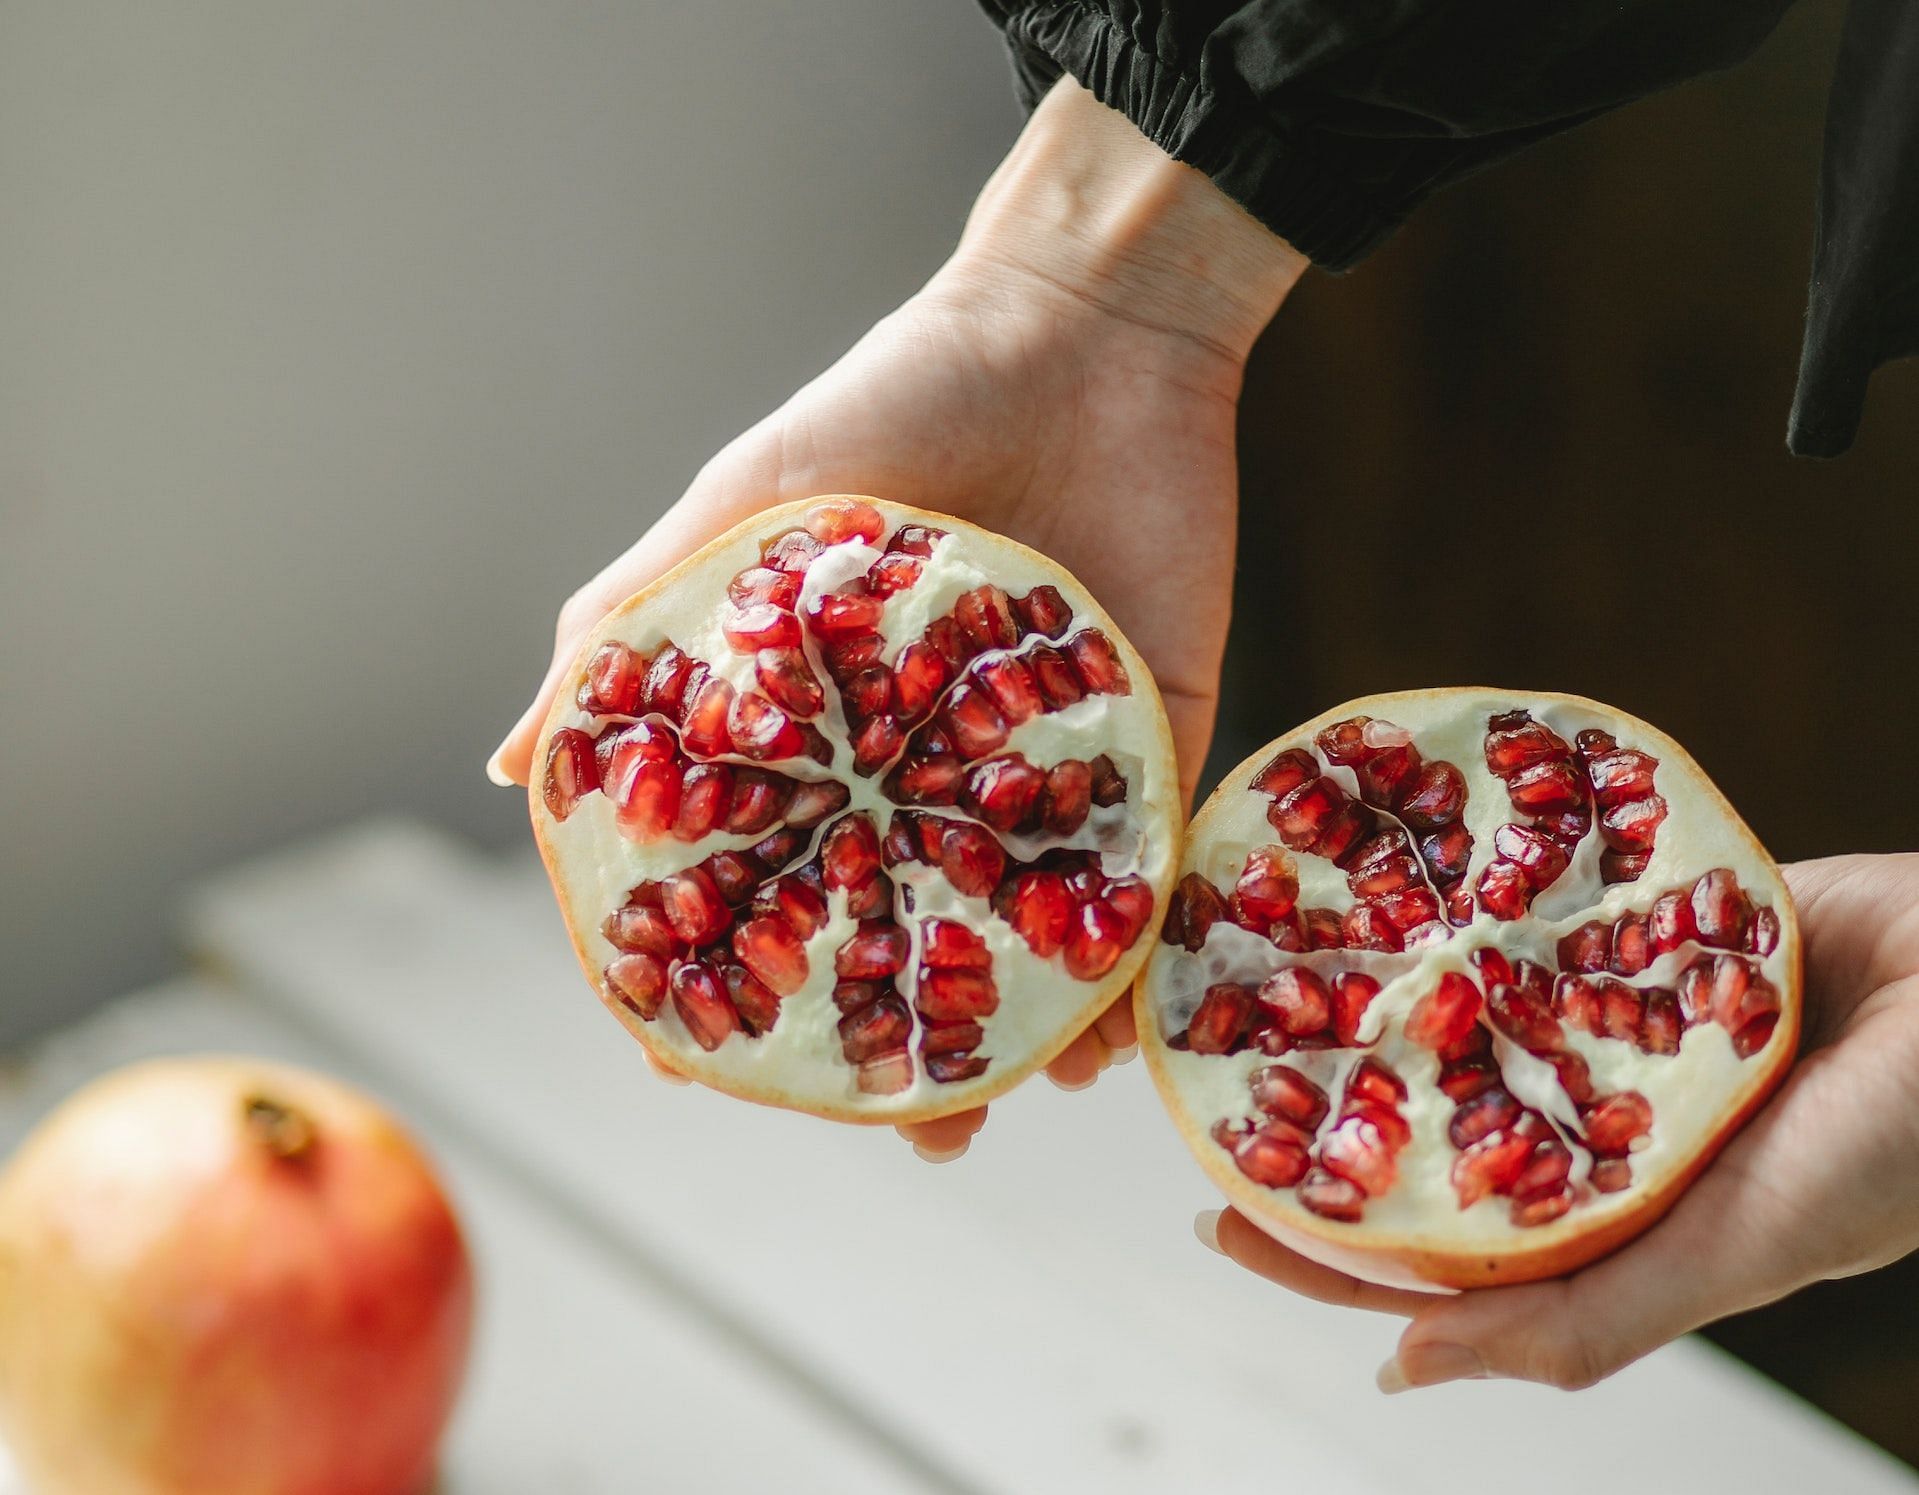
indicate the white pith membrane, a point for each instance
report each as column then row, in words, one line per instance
column 1543, row 1205
column 830, row 1045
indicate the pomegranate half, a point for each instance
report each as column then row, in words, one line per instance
column 861, row 810
column 1463, row 987
column 227, row 1277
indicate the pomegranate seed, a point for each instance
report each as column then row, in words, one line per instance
column 1195, row 907
column 1720, row 910
column 1004, row 792
column 838, row 520
column 1631, row 827
column 1504, row 891
column 1575, row 1076
column 1550, row 788
column 1659, row 1033
column 571, row 771
column 1446, row 1014
column 972, row 860
column 1632, row 948
column 1302, row 815
column 985, row 620
column 1670, row 922
column 639, row 981
column 801, row 905
column 950, row 1068
column 1383, row 864
column 1365, row 927
column 1054, row 676
column 951, row 1038
column 760, row 626
column 640, row 930
column 850, row 854
column 1354, row 1150
column 1268, row 888
column 705, row 793
column 1755, row 1035
column 759, row 799
column 650, row 800
column 1538, row 856
column 700, row 999
column 1514, row 741
column 1740, row 994
column 1610, row 1175
column 813, row 801
column 694, row 906
column 839, row 617
column 1617, row 1121
column 1490, row 1166
column 762, row 584
column 788, row 681
column 915, row 539
column 872, row 954
column 1490, row 1111
column 876, row 745
column 1587, row 948
column 893, row 573
column 953, row 995
column 1098, row 664
column 1762, row 935
column 1493, row 967
column 951, row 946
column 613, row 682
column 975, row 723
column 1592, row 742
column 771, row 949
column 703, row 724
column 735, row 873
column 759, row 1008
column 1373, row 1081
column 1462, row 1079
column 1219, row 1019
column 760, row 730
column 793, row 551
column 1068, row 798
column 1447, row 851
column 1620, row 775
column 780, row 848
column 1042, row 911
column 848, row 657
column 1095, row 940
column 1435, row 798
column 1524, row 1018
column 1043, row 611
column 1546, row 1171
column 618, row 751
column 1409, row 912
column 1280, row 1090
column 1353, row 992
column 1132, row 899
column 1109, row 788
column 1275, row 1161
column 851, row 996
column 919, row 675
column 1322, row 929
column 1297, row 999
column 664, row 687
column 1012, row 688
column 885, row 1074
column 1567, row 829
column 867, row 694
column 1332, row 1197
column 878, row 1028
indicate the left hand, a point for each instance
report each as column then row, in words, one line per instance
column 1822, row 1183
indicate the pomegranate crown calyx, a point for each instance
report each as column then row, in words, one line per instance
column 283, row 1130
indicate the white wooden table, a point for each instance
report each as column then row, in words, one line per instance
column 681, row 1293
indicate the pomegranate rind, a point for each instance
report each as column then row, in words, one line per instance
column 1042, row 1007
column 1431, row 1244
column 186, row 1304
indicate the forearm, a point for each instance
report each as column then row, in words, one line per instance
column 1087, row 205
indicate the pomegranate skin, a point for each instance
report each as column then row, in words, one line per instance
column 1416, row 1246
column 222, row 1275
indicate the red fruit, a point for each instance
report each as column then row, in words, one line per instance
column 1195, row 907
column 1632, row 826
column 838, row 698
column 1297, row 1000
column 1282, row 1091
column 1353, row 992
column 1435, row 797
column 1617, row 1121
column 1268, row 887
column 1219, row 1019
column 1490, row 1166
column 1303, row 814
column 1332, row 1197
column 208, row 1264
column 1514, row 741
column 1550, row 788
column 614, row 679
column 1446, row 1014
column 1489, row 1111
column 1720, row 910
column 772, row 950
column 1525, row 1017
column 1286, row 772
column 1271, row 1159
column 571, row 772
column 881, row 1027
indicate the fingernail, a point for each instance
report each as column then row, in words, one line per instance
column 929, row 1156
column 1431, row 1365
column 494, row 771
column 1206, row 1227
column 1126, row 1055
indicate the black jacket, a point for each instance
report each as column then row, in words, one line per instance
column 1330, row 120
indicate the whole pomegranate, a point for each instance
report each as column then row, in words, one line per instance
column 861, row 810
column 222, row 1275
column 1462, row 987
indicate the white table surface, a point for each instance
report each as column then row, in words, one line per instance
column 681, row 1293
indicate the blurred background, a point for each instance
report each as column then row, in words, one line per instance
column 339, row 343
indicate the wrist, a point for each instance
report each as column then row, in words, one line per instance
column 1087, row 209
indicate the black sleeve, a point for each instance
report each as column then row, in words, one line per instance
column 1330, row 120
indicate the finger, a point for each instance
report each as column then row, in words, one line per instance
column 736, row 483
column 1233, row 1235
column 1079, row 1063
column 1859, row 918
column 1117, row 1029
column 946, row 1137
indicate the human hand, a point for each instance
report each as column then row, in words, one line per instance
column 1070, row 378
column 1820, row 1184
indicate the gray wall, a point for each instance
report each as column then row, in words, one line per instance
column 339, row 341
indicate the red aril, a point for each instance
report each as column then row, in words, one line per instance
column 1533, row 1000
column 227, row 1276
column 822, row 833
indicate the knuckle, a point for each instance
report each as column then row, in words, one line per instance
column 1572, row 1363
